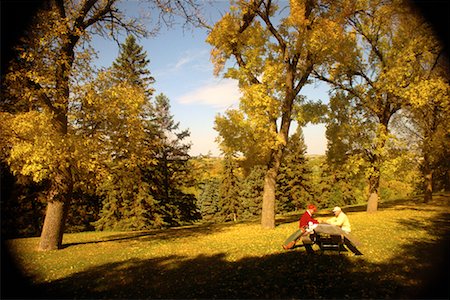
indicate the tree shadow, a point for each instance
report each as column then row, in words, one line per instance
column 160, row 234
column 287, row 275
column 418, row 270
column 428, row 258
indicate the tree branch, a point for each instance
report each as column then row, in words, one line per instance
column 43, row 96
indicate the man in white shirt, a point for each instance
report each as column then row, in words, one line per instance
column 340, row 219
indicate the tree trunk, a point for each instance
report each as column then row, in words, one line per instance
column 374, row 186
column 54, row 224
column 428, row 179
column 270, row 180
column 268, row 205
column 372, row 203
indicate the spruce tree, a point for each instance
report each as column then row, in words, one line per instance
column 209, row 199
column 127, row 200
column 294, row 180
column 251, row 192
column 132, row 65
column 171, row 174
column 229, row 203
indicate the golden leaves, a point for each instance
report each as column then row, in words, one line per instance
column 33, row 137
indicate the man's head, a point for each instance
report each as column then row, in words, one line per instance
column 311, row 208
column 337, row 210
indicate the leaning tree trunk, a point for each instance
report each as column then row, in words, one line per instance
column 56, row 213
column 62, row 184
column 54, row 225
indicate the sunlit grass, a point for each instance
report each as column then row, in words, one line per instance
column 128, row 257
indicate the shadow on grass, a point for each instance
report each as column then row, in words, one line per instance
column 160, row 234
column 288, row 275
column 418, row 270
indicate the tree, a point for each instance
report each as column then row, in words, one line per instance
column 169, row 176
column 350, row 133
column 209, row 199
column 275, row 55
column 43, row 78
column 251, row 192
column 132, row 65
column 428, row 106
column 294, row 186
column 229, row 202
column 127, row 202
column 388, row 38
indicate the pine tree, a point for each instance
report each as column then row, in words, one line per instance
column 230, row 206
column 132, row 65
column 251, row 192
column 209, row 199
column 294, row 185
column 170, row 175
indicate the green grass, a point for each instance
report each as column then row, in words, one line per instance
column 405, row 246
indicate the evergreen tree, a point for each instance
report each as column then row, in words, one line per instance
column 209, row 199
column 230, row 206
column 132, row 66
column 251, row 192
column 169, row 178
column 127, row 200
column 294, row 180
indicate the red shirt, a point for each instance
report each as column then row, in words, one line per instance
column 305, row 219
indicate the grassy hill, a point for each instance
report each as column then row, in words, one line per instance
column 405, row 246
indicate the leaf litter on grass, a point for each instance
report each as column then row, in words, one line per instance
column 242, row 259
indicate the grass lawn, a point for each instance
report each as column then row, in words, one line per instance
column 405, row 246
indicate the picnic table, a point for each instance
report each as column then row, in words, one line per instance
column 328, row 236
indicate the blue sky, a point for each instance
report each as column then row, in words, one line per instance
column 180, row 64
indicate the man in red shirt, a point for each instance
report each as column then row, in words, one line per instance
column 308, row 217
column 304, row 225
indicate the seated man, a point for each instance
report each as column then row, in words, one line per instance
column 306, row 225
column 340, row 219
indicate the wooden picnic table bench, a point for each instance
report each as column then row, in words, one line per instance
column 331, row 237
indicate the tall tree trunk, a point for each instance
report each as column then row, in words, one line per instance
column 268, row 204
column 270, row 180
column 56, row 213
column 61, row 189
column 428, row 179
column 374, row 184
column 376, row 161
column 54, row 224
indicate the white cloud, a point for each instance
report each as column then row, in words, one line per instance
column 182, row 61
column 221, row 94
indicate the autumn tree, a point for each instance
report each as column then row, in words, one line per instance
column 349, row 132
column 427, row 94
column 376, row 73
column 275, row 50
column 42, row 138
column 128, row 203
